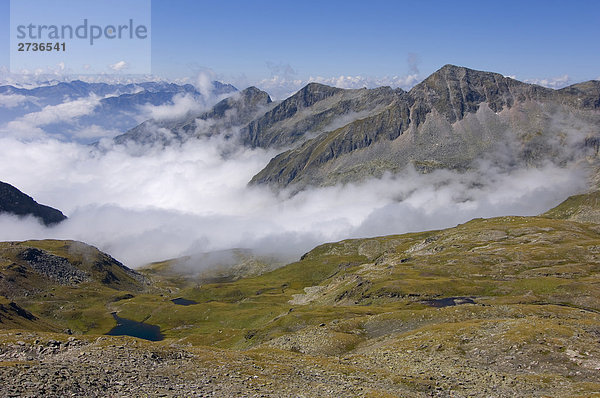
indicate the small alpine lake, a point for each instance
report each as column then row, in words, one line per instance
column 141, row 330
column 182, row 301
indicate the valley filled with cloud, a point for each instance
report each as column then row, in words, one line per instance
column 153, row 203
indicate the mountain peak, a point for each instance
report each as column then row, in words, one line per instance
column 314, row 87
column 455, row 91
column 312, row 93
column 454, row 72
column 254, row 92
column 451, row 67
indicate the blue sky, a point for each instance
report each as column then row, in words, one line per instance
column 253, row 40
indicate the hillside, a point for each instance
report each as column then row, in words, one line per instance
column 582, row 208
column 66, row 283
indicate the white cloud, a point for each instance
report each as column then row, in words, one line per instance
column 119, row 66
column 552, row 82
column 12, row 100
column 189, row 199
column 204, row 83
column 181, row 105
column 28, row 126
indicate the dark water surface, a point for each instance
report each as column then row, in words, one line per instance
column 127, row 327
column 182, row 301
column 449, row 301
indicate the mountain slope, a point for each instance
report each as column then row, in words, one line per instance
column 313, row 109
column 257, row 122
column 13, row 201
column 33, row 266
column 581, row 208
column 462, row 308
column 451, row 119
column 13, row 316
column 237, row 110
column 65, row 283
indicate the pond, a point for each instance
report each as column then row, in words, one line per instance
column 141, row 330
column 449, row 301
column 182, row 301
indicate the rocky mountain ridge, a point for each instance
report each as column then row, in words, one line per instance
column 453, row 118
column 13, row 201
column 230, row 112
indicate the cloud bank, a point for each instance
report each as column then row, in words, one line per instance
column 30, row 125
column 182, row 105
column 190, row 199
column 12, row 101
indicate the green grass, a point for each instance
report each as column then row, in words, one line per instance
column 503, row 261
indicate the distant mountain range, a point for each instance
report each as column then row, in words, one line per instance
column 119, row 110
column 13, row 201
column 455, row 117
column 327, row 135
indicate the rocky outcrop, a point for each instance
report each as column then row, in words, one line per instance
column 38, row 266
column 456, row 91
column 56, row 268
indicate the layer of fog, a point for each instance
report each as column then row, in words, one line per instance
column 190, row 199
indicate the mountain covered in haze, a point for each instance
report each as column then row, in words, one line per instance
column 13, row 201
column 118, row 106
column 239, row 109
column 453, row 119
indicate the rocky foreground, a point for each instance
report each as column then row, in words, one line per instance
column 36, row 366
column 471, row 360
